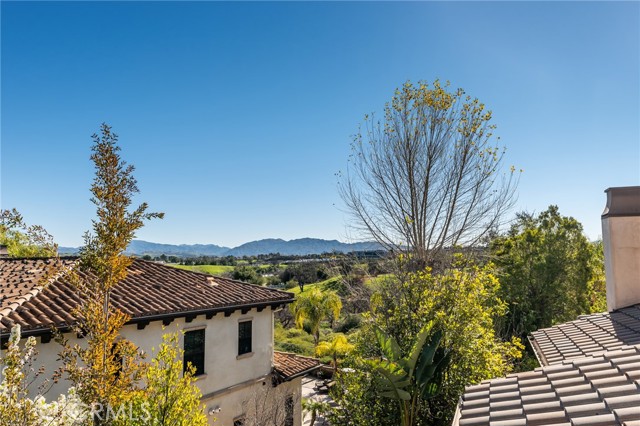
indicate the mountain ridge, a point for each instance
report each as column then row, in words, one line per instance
column 295, row 247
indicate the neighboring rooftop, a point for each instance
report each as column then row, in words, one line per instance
column 591, row 366
column 595, row 390
column 151, row 291
column 588, row 335
column 289, row 366
column 22, row 279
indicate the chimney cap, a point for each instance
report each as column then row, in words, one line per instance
column 622, row 201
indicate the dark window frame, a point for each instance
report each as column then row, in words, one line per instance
column 289, row 410
column 194, row 354
column 245, row 337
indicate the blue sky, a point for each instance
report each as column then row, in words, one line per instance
column 238, row 115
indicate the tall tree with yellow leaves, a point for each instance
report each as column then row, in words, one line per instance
column 106, row 368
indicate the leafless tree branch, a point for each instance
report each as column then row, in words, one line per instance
column 429, row 175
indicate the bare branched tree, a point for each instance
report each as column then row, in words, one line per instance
column 271, row 406
column 429, row 175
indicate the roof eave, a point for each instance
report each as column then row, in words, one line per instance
column 299, row 374
column 537, row 351
column 164, row 316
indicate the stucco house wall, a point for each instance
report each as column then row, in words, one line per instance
column 259, row 403
column 174, row 300
column 228, row 378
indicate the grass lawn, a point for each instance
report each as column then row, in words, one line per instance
column 207, row 269
column 262, row 268
column 372, row 282
column 332, row 283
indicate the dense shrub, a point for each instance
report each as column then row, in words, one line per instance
column 463, row 302
column 349, row 323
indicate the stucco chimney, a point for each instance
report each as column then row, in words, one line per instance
column 4, row 252
column 621, row 239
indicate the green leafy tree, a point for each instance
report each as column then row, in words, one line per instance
column 304, row 273
column 106, row 368
column 428, row 175
column 337, row 348
column 358, row 396
column 548, row 272
column 247, row 274
column 171, row 398
column 314, row 408
column 313, row 306
column 412, row 379
column 597, row 285
column 463, row 303
column 24, row 240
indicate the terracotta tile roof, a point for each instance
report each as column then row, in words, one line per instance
column 593, row 390
column 151, row 290
column 588, row 335
column 290, row 365
column 21, row 279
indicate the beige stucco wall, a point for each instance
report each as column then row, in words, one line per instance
column 229, row 381
column 259, row 403
column 621, row 238
column 222, row 368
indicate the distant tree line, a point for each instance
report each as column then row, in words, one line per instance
column 275, row 258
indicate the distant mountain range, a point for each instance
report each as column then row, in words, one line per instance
column 299, row 247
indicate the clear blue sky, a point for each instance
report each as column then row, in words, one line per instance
column 237, row 115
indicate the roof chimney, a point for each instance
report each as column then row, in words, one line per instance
column 4, row 252
column 621, row 239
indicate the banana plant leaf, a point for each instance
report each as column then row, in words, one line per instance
column 418, row 347
column 388, row 345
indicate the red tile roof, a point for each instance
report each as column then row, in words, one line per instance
column 150, row 291
column 588, row 335
column 290, row 366
column 594, row 390
column 21, row 279
column 590, row 376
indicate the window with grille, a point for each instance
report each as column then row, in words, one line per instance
column 194, row 350
column 244, row 337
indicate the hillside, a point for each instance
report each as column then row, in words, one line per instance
column 298, row 247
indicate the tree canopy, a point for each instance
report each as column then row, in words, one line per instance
column 463, row 303
column 107, row 368
column 549, row 272
column 247, row 274
column 428, row 175
column 337, row 348
column 414, row 378
column 313, row 306
column 22, row 240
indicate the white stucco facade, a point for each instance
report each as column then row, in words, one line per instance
column 231, row 384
